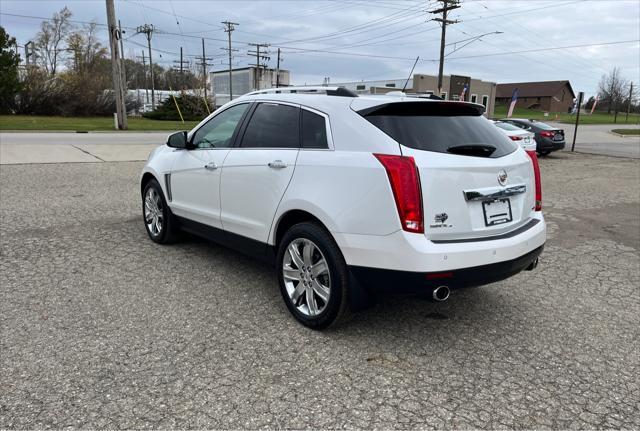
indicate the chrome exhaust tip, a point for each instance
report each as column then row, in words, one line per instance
column 533, row 265
column 441, row 293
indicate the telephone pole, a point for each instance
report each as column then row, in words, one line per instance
column 258, row 64
column 204, row 64
column 228, row 28
column 148, row 29
column 447, row 5
column 122, row 66
column 114, row 35
column 180, row 68
column 278, row 70
column 144, row 69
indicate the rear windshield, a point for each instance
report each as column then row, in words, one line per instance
column 507, row 126
column 543, row 126
column 442, row 127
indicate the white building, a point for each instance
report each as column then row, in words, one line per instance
column 245, row 80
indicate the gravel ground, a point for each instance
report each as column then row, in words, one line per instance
column 101, row 328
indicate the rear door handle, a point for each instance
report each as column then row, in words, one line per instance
column 277, row 164
column 211, row 166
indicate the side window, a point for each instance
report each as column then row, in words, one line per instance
column 273, row 126
column 217, row 133
column 314, row 130
column 485, row 101
column 474, row 98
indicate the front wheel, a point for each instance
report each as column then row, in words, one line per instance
column 313, row 276
column 158, row 219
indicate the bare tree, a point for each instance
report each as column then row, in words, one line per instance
column 613, row 88
column 85, row 48
column 50, row 38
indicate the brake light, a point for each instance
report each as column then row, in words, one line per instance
column 405, row 184
column 516, row 138
column 546, row 134
column 536, row 175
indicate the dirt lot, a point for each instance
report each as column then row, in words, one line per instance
column 101, row 328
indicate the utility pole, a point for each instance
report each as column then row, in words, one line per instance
column 204, row 64
column 629, row 103
column 144, row 68
column 447, row 5
column 122, row 65
column 278, row 70
column 180, row 68
column 148, row 29
column 258, row 64
column 114, row 35
column 228, row 28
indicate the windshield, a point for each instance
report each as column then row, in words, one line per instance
column 443, row 127
column 507, row 126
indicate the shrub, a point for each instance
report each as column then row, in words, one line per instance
column 191, row 107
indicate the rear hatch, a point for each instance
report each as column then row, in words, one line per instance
column 475, row 181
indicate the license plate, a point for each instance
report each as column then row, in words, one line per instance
column 558, row 137
column 497, row 212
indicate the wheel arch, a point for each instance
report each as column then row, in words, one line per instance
column 146, row 177
column 293, row 217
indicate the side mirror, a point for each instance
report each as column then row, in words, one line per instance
column 178, row 140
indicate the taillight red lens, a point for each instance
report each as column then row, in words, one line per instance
column 547, row 134
column 536, row 174
column 405, row 184
column 516, row 138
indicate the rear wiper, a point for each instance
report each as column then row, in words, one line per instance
column 472, row 150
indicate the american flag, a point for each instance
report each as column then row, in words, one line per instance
column 514, row 99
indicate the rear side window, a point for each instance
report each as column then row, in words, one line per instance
column 543, row 126
column 507, row 126
column 442, row 127
column 273, row 126
column 314, row 130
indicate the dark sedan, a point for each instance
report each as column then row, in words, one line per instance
column 547, row 138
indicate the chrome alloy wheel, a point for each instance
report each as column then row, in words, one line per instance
column 306, row 277
column 153, row 215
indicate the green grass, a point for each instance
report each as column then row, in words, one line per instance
column 86, row 124
column 563, row 117
column 629, row 132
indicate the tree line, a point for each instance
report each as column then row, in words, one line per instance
column 69, row 72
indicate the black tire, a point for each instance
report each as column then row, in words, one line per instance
column 168, row 231
column 336, row 308
column 544, row 153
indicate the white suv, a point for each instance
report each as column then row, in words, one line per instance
column 352, row 195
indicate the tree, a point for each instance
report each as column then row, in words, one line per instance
column 49, row 39
column 613, row 88
column 9, row 79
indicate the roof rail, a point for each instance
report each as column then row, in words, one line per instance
column 329, row 91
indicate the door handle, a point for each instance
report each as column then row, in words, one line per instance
column 277, row 164
column 211, row 166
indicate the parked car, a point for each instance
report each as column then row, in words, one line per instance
column 548, row 138
column 351, row 196
column 523, row 137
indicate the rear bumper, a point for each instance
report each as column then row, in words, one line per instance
column 377, row 280
column 403, row 251
column 545, row 144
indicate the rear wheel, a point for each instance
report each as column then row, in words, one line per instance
column 158, row 219
column 313, row 276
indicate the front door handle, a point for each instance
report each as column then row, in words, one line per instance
column 211, row 166
column 277, row 164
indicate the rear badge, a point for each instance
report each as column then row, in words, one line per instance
column 502, row 177
column 439, row 221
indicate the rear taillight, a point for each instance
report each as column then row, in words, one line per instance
column 536, row 175
column 545, row 134
column 516, row 138
column 405, row 184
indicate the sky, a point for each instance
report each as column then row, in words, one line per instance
column 354, row 40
